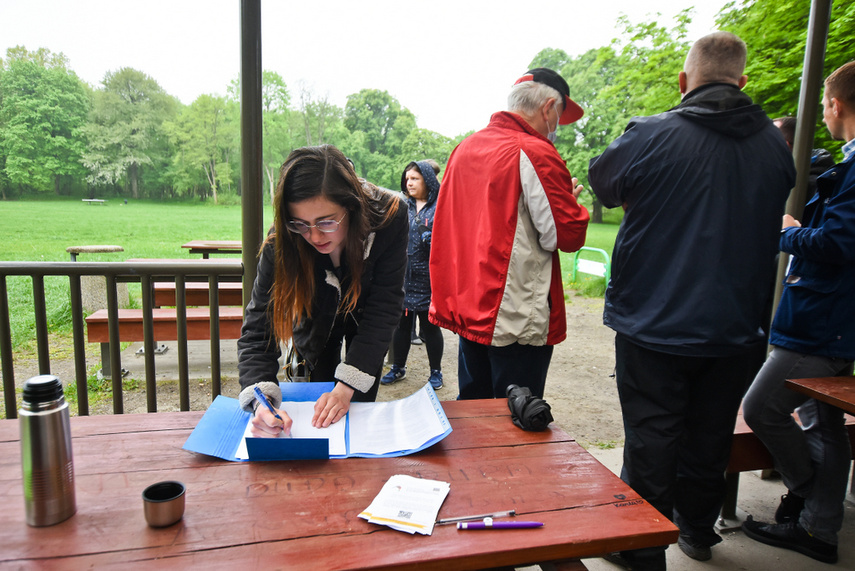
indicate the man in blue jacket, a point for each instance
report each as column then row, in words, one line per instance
column 704, row 187
column 813, row 335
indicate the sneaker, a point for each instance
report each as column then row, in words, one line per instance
column 790, row 508
column 435, row 379
column 416, row 340
column 394, row 375
column 790, row 536
column 693, row 549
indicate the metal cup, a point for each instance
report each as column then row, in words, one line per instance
column 163, row 503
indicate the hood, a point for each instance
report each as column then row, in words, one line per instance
column 820, row 161
column 723, row 108
column 431, row 181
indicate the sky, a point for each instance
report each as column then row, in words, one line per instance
column 450, row 62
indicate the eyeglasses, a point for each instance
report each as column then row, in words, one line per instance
column 325, row 226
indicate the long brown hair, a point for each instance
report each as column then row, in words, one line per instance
column 306, row 173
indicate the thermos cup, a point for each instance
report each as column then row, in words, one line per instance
column 46, row 452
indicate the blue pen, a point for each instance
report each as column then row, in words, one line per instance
column 263, row 400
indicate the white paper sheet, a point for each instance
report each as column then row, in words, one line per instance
column 301, row 414
column 407, row 504
column 405, row 424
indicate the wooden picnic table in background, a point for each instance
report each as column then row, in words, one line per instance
column 207, row 247
column 304, row 514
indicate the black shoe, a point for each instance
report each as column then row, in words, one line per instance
column 617, row 559
column 790, row 508
column 639, row 559
column 693, row 549
column 790, row 536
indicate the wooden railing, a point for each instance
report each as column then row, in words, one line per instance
column 114, row 272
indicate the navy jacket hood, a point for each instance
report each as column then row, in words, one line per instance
column 723, row 108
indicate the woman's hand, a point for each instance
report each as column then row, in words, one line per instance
column 332, row 406
column 265, row 425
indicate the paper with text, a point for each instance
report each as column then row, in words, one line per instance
column 394, row 426
column 407, row 504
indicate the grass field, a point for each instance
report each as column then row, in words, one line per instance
column 41, row 230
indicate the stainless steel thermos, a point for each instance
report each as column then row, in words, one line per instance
column 46, row 452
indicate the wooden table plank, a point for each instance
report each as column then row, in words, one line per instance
column 837, row 391
column 292, row 513
column 207, row 247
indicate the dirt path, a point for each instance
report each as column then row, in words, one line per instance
column 579, row 387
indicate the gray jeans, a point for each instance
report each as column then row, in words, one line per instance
column 814, row 458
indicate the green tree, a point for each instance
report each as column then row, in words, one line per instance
column 423, row 144
column 776, row 35
column 125, row 126
column 635, row 75
column 43, row 107
column 206, row 136
column 385, row 125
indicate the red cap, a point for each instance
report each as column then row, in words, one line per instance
column 572, row 112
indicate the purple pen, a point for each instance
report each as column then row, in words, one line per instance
column 490, row 524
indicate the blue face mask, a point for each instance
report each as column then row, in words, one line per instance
column 552, row 135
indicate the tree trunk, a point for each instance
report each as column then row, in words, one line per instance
column 133, row 176
column 56, row 185
column 269, row 172
column 597, row 214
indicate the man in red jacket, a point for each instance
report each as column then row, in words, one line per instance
column 507, row 205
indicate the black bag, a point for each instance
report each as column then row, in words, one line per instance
column 527, row 411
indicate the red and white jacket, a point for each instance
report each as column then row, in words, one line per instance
column 505, row 209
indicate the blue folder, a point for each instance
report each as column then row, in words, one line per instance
column 221, row 429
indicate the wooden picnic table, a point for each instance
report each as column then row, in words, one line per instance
column 208, row 247
column 837, row 391
column 303, row 514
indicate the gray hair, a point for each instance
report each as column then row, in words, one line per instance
column 528, row 96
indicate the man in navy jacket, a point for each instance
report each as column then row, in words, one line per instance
column 704, row 187
column 813, row 335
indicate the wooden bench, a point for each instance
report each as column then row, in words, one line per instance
column 748, row 453
column 165, row 323
column 196, row 293
column 94, row 201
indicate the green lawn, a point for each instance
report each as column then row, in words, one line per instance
column 41, row 230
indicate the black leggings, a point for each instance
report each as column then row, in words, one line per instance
column 430, row 333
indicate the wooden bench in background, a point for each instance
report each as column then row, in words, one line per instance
column 165, row 322
column 230, row 293
column 94, row 201
column 748, row 453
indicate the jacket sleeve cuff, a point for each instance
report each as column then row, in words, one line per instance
column 353, row 377
column 271, row 390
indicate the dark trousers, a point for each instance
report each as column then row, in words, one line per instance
column 678, row 414
column 484, row 372
column 403, row 338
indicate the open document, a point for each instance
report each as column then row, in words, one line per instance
column 376, row 429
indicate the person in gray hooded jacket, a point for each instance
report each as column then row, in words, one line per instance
column 703, row 186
